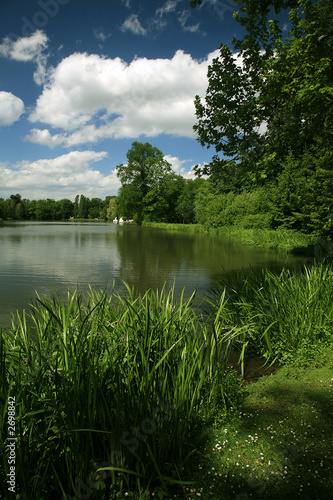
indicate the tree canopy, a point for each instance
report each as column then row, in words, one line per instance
column 273, row 93
column 143, row 174
column 268, row 110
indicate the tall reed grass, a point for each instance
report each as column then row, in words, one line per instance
column 285, row 316
column 111, row 392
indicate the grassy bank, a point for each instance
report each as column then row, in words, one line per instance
column 281, row 239
column 133, row 397
column 278, row 443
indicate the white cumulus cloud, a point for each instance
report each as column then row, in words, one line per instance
column 44, row 138
column 90, row 97
column 11, row 108
column 28, row 49
column 179, row 169
column 60, row 177
column 24, row 49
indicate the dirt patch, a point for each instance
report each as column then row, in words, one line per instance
column 254, row 366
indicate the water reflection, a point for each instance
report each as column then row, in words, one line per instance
column 147, row 258
column 15, row 239
column 40, row 256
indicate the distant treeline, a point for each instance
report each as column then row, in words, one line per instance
column 16, row 208
column 174, row 202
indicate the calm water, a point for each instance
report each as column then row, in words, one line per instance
column 65, row 255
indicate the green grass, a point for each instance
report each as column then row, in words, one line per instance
column 112, row 393
column 191, row 228
column 286, row 317
column 278, row 444
column 280, row 239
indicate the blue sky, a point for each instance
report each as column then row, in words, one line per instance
column 81, row 80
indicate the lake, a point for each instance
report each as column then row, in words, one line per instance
column 38, row 256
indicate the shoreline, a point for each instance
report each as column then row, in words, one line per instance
column 286, row 240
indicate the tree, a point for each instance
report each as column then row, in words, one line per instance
column 76, row 205
column 14, row 208
column 66, row 208
column 95, row 208
column 31, row 209
column 268, row 111
column 304, row 193
column 43, row 210
column 2, row 209
column 272, row 94
column 105, row 206
column 300, row 84
column 83, row 207
column 109, row 211
column 160, row 203
column 145, row 171
column 48, row 209
column 228, row 119
column 128, row 200
column 186, row 200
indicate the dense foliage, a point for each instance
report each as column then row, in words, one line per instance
column 268, row 113
column 151, row 191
